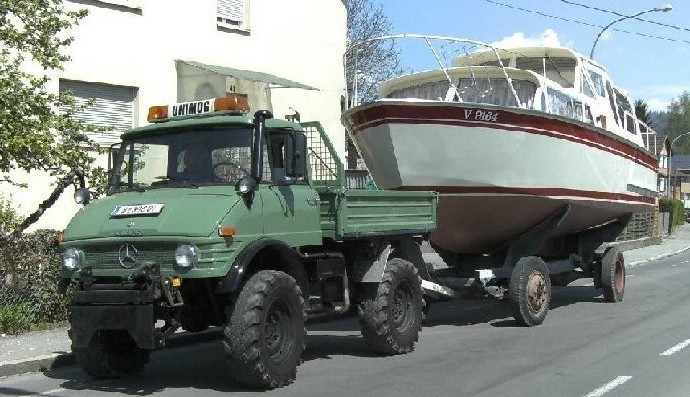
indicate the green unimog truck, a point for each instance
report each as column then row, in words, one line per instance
column 215, row 218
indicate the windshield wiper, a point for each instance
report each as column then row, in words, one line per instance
column 177, row 182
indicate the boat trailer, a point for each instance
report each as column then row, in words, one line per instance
column 526, row 279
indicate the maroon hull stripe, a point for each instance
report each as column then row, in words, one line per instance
column 403, row 113
column 544, row 192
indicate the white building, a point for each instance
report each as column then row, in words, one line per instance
column 286, row 56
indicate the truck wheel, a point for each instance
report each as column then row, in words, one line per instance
column 111, row 354
column 392, row 318
column 613, row 275
column 265, row 336
column 530, row 291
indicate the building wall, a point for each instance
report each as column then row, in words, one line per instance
column 135, row 43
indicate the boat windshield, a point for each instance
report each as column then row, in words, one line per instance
column 494, row 91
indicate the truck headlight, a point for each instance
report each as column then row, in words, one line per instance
column 186, row 255
column 72, row 258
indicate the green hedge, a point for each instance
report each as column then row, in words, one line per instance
column 30, row 269
column 675, row 207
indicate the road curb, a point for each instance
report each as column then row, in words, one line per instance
column 662, row 256
column 56, row 360
column 36, row 364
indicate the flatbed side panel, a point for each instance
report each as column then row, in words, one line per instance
column 380, row 212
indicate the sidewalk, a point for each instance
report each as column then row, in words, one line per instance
column 37, row 351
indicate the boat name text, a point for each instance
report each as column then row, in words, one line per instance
column 482, row 115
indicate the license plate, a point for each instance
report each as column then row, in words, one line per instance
column 139, row 209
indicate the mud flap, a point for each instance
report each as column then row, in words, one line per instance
column 138, row 320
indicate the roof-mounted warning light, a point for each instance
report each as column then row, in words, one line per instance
column 235, row 104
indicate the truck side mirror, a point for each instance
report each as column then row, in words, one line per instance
column 82, row 196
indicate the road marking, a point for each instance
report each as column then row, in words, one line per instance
column 609, row 386
column 675, row 349
column 46, row 393
column 589, row 285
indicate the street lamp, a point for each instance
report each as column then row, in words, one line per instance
column 663, row 8
column 670, row 162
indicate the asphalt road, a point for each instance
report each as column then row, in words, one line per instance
column 585, row 348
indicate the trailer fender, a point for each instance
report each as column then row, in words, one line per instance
column 371, row 271
column 409, row 250
column 283, row 258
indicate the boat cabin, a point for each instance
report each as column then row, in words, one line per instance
column 553, row 80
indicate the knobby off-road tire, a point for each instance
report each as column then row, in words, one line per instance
column 613, row 275
column 265, row 336
column 111, row 354
column 530, row 291
column 392, row 318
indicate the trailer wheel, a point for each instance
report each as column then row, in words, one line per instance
column 613, row 275
column 111, row 354
column 392, row 318
column 265, row 336
column 530, row 291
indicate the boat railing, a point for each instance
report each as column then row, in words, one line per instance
column 429, row 38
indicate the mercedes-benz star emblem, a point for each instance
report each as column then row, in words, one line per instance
column 128, row 256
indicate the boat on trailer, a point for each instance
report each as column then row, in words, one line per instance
column 512, row 139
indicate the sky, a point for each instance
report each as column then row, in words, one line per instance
column 654, row 69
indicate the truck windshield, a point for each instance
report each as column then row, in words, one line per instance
column 182, row 158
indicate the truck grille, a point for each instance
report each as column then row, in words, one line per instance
column 107, row 257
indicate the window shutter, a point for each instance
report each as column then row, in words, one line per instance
column 231, row 11
column 113, row 107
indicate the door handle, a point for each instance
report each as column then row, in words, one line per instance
column 313, row 201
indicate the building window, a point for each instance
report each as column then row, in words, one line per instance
column 113, row 107
column 233, row 14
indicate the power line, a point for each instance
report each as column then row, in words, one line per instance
column 582, row 22
column 623, row 15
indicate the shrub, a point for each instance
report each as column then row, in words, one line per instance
column 675, row 207
column 30, row 269
column 15, row 318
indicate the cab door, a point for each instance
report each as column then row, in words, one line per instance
column 291, row 206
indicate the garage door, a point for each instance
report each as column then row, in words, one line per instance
column 114, row 106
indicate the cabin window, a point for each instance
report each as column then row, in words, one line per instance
column 435, row 90
column 496, row 91
column 558, row 69
column 561, row 104
column 577, row 111
column 585, row 87
column 630, row 123
column 598, row 82
column 588, row 115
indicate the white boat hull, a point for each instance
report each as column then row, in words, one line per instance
column 500, row 170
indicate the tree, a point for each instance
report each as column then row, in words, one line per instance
column 367, row 62
column 36, row 130
column 679, row 122
column 642, row 112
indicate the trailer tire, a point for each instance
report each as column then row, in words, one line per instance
column 530, row 291
column 392, row 318
column 265, row 337
column 613, row 275
column 111, row 354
